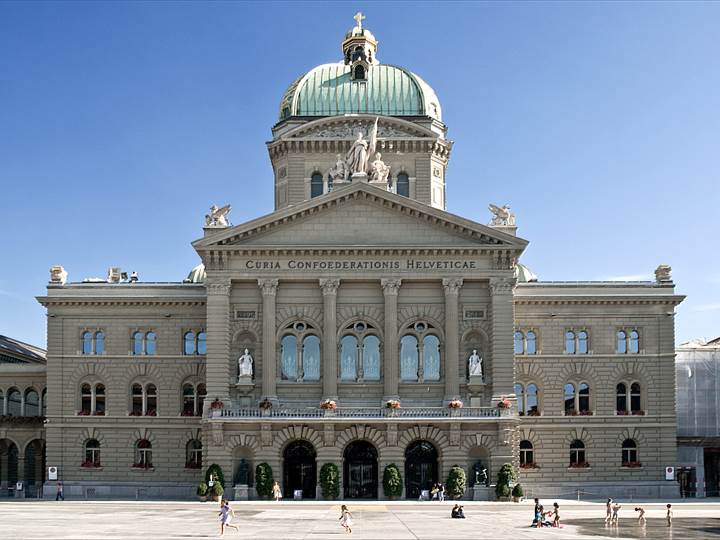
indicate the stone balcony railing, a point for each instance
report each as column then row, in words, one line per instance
column 309, row 413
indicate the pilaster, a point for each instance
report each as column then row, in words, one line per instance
column 268, row 287
column 217, row 363
column 503, row 356
column 452, row 330
column 329, row 287
column 391, row 360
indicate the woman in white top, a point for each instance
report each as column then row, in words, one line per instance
column 277, row 492
column 226, row 514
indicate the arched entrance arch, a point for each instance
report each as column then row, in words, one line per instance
column 8, row 465
column 360, row 470
column 421, row 468
column 299, row 469
column 34, row 467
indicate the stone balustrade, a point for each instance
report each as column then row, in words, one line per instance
column 359, row 412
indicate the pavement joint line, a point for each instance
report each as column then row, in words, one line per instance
column 404, row 525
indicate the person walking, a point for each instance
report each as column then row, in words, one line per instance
column 226, row 514
column 441, row 492
column 276, row 491
column 346, row 519
column 608, row 511
column 668, row 516
column 434, row 492
column 59, row 495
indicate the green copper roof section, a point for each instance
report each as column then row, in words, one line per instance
column 328, row 90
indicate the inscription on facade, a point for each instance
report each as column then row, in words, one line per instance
column 405, row 264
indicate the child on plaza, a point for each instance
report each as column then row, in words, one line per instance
column 226, row 514
column 669, row 515
column 615, row 509
column 346, row 518
column 276, row 491
column 608, row 511
column 556, row 513
column 641, row 516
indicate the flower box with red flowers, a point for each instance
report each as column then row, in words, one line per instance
column 621, row 413
column 216, row 404
column 392, row 404
column 265, row 404
column 580, row 465
column 187, row 413
column 135, row 413
column 585, row 413
column 83, row 413
column 638, row 413
column 151, row 412
column 632, row 464
column 142, row 466
column 328, row 405
column 99, row 413
column 529, row 466
column 88, row 464
column 455, row 404
column 504, row 403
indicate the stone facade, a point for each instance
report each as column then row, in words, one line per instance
column 359, row 295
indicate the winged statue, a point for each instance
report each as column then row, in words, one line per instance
column 218, row 216
column 502, row 215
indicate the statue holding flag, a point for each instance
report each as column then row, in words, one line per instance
column 359, row 154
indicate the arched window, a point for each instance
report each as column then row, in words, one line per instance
column 431, row 358
column 630, row 453
column 527, row 457
column 570, row 342
column 86, row 399
column 92, row 399
column 531, row 399
column 193, row 454
column 634, row 344
column 621, row 347
column 14, row 402
column 519, row 342
column 569, row 391
column 583, row 399
column 289, row 360
column 87, row 343
column 44, row 401
column 32, row 403
column 348, row 358
column 189, row 343
column 138, row 345
column 201, row 342
column 316, row 185
column 99, row 409
column 359, row 73
column 409, row 358
column 371, row 358
column 92, row 454
column 582, row 342
column 403, row 184
column 530, row 343
column 193, row 399
column 520, row 396
column 621, row 398
column 311, row 358
column 144, row 400
column 635, row 401
column 150, row 343
column 143, row 454
column 2, row 403
column 99, row 342
column 577, row 454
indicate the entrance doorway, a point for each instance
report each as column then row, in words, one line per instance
column 299, row 469
column 360, row 471
column 712, row 472
column 421, row 468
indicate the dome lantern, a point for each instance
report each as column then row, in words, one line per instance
column 359, row 48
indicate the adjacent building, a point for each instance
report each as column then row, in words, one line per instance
column 361, row 324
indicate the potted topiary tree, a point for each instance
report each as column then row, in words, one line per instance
column 217, row 491
column 329, row 481
column 505, row 476
column 202, row 491
column 263, row 480
column 392, row 482
column 517, row 493
column 215, row 475
column 456, row 482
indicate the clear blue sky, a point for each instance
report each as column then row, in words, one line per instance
column 120, row 123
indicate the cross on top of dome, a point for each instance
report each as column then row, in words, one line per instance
column 359, row 18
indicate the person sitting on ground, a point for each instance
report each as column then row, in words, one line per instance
column 668, row 516
column 641, row 515
column 457, row 512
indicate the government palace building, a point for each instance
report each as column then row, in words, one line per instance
column 360, row 324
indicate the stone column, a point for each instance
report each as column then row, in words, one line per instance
column 329, row 288
column 452, row 336
column 218, row 339
column 503, row 356
column 391, row 357
column 269, row 372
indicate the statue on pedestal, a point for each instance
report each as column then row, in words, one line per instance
column 359, row 154
column 379, row 172
column 243, row 473
column 245, row 367
column 475, row 367
column 340, row 171
column 218, row 216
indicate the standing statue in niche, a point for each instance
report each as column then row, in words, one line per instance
column 359, row 154
column 475, row 367
column 340, row 171
column 379, row 172
column 245, row 366
column 243, row 473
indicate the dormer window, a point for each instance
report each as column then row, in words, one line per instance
column 359, row 73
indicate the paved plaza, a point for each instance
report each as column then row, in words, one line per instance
column 373, row 520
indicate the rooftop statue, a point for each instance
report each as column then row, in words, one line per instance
column 359, row 154
column 340, row 172
column 379, row 172
column 58, row 274
column 502, row 216
column 218, row 216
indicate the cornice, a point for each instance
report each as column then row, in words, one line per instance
column 48, row 300
column 598, row 300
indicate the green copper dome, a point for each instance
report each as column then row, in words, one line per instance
column 328, row 90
